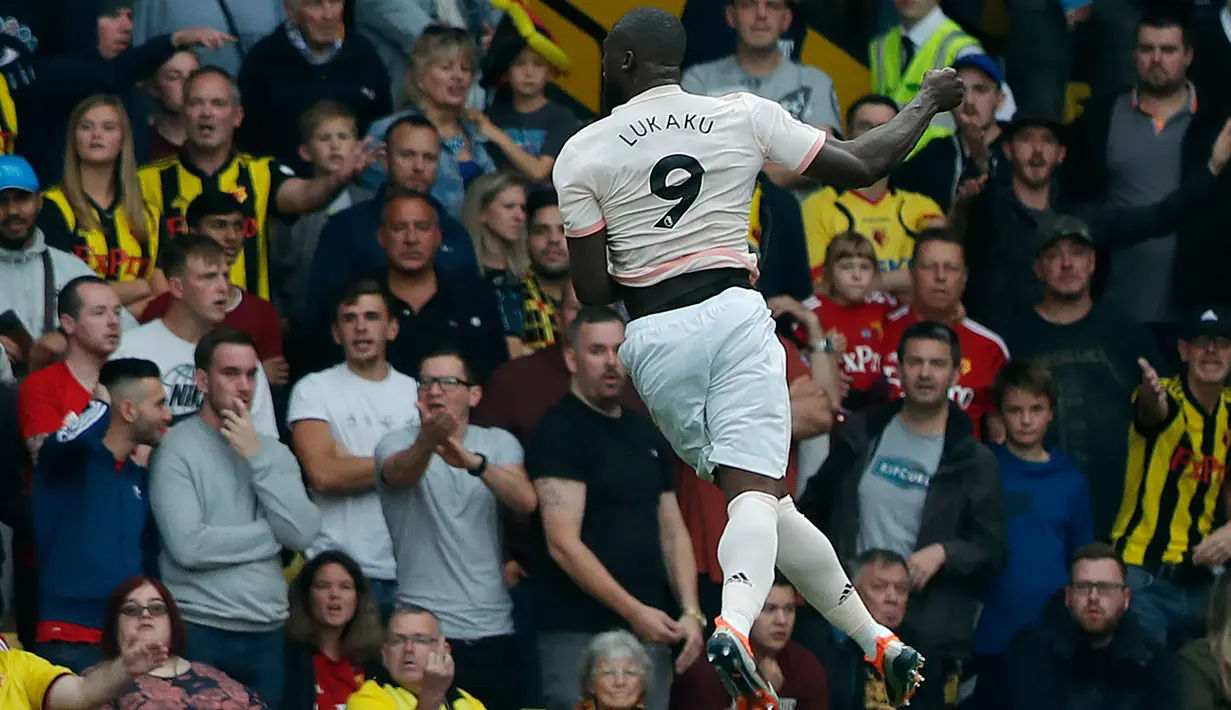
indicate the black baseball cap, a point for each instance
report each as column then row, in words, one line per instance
column 107, row 8
column 1019, row 122
column 1063, row 226
column 1214, row 322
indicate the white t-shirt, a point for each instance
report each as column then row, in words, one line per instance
column 671, row 176
column 174, row 357
column 359, row 413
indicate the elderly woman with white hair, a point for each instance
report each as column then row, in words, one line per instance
column 615, row 673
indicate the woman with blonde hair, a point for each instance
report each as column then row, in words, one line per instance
column 98, row 212
column 1205, row 664
column 494, row 212
column 615, row 673
column 439, row 77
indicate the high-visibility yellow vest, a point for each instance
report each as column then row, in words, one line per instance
column 940, row 51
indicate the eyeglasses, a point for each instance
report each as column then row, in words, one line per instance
column 1103, row 588
column 414, row 640
column 136, row 611
column 447, row 383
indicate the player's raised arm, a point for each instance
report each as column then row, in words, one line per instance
column 870, row 157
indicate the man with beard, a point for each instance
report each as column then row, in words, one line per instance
column 543, row 287
column 86, row 467
column 227, row 499
column 1092, row 350
column 1145, row 142
column 89, row 315
column 910, row 477
column 1088, row 651
column 31, row 272
column 1002, row 222
column 1173, row 483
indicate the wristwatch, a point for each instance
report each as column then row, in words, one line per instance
column 479, row 470
column 696, row 614
column 824, row 345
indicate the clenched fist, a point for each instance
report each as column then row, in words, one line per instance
column 943, row 88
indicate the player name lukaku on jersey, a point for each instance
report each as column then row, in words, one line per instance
column 654, row 124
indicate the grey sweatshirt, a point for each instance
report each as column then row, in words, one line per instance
column 224, row 520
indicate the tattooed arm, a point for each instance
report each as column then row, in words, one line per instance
column 562, row 504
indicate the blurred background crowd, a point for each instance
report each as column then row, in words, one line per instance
column 289, row 355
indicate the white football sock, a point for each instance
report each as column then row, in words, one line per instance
column 746, row 553
column 808, row 560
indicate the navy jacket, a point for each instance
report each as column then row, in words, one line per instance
column 348, row 251
column 92, row 525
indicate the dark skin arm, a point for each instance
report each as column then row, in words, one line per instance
column 870, row 157
column 587, row 267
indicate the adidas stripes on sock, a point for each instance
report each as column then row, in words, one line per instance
column 808, row 560
column 746, row 553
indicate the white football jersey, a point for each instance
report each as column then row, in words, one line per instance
column 671, row 175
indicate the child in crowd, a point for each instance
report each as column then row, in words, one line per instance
column 1047, row 511
column 849, row 301
column 328, row 131
column 519, row 65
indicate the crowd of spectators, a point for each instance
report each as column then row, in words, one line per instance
column 299, row 409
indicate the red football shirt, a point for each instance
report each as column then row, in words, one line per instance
column 983, row 354
column 863, row 326
column 253, row 315
column 46, row 397
column 335, row 681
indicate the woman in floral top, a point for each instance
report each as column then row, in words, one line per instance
column 142, row 609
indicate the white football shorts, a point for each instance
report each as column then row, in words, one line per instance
column 713, row 376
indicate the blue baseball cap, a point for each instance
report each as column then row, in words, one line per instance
column 16, row 174
column 983, row 63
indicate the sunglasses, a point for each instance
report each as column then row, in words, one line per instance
column 136, row 611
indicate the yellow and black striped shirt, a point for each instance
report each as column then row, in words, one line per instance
column 8, row 119
column 171, row 184
column 113, row 251
column 1173, row 482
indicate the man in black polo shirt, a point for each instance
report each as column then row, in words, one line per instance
column 434, row 310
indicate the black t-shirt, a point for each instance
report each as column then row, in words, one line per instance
column 1094, row 363
column 626, row 467
column 540, row 133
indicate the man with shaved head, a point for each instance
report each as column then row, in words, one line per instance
column 660, row 190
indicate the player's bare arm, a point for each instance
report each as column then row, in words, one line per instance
column 870, row 157
column 587, row 266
